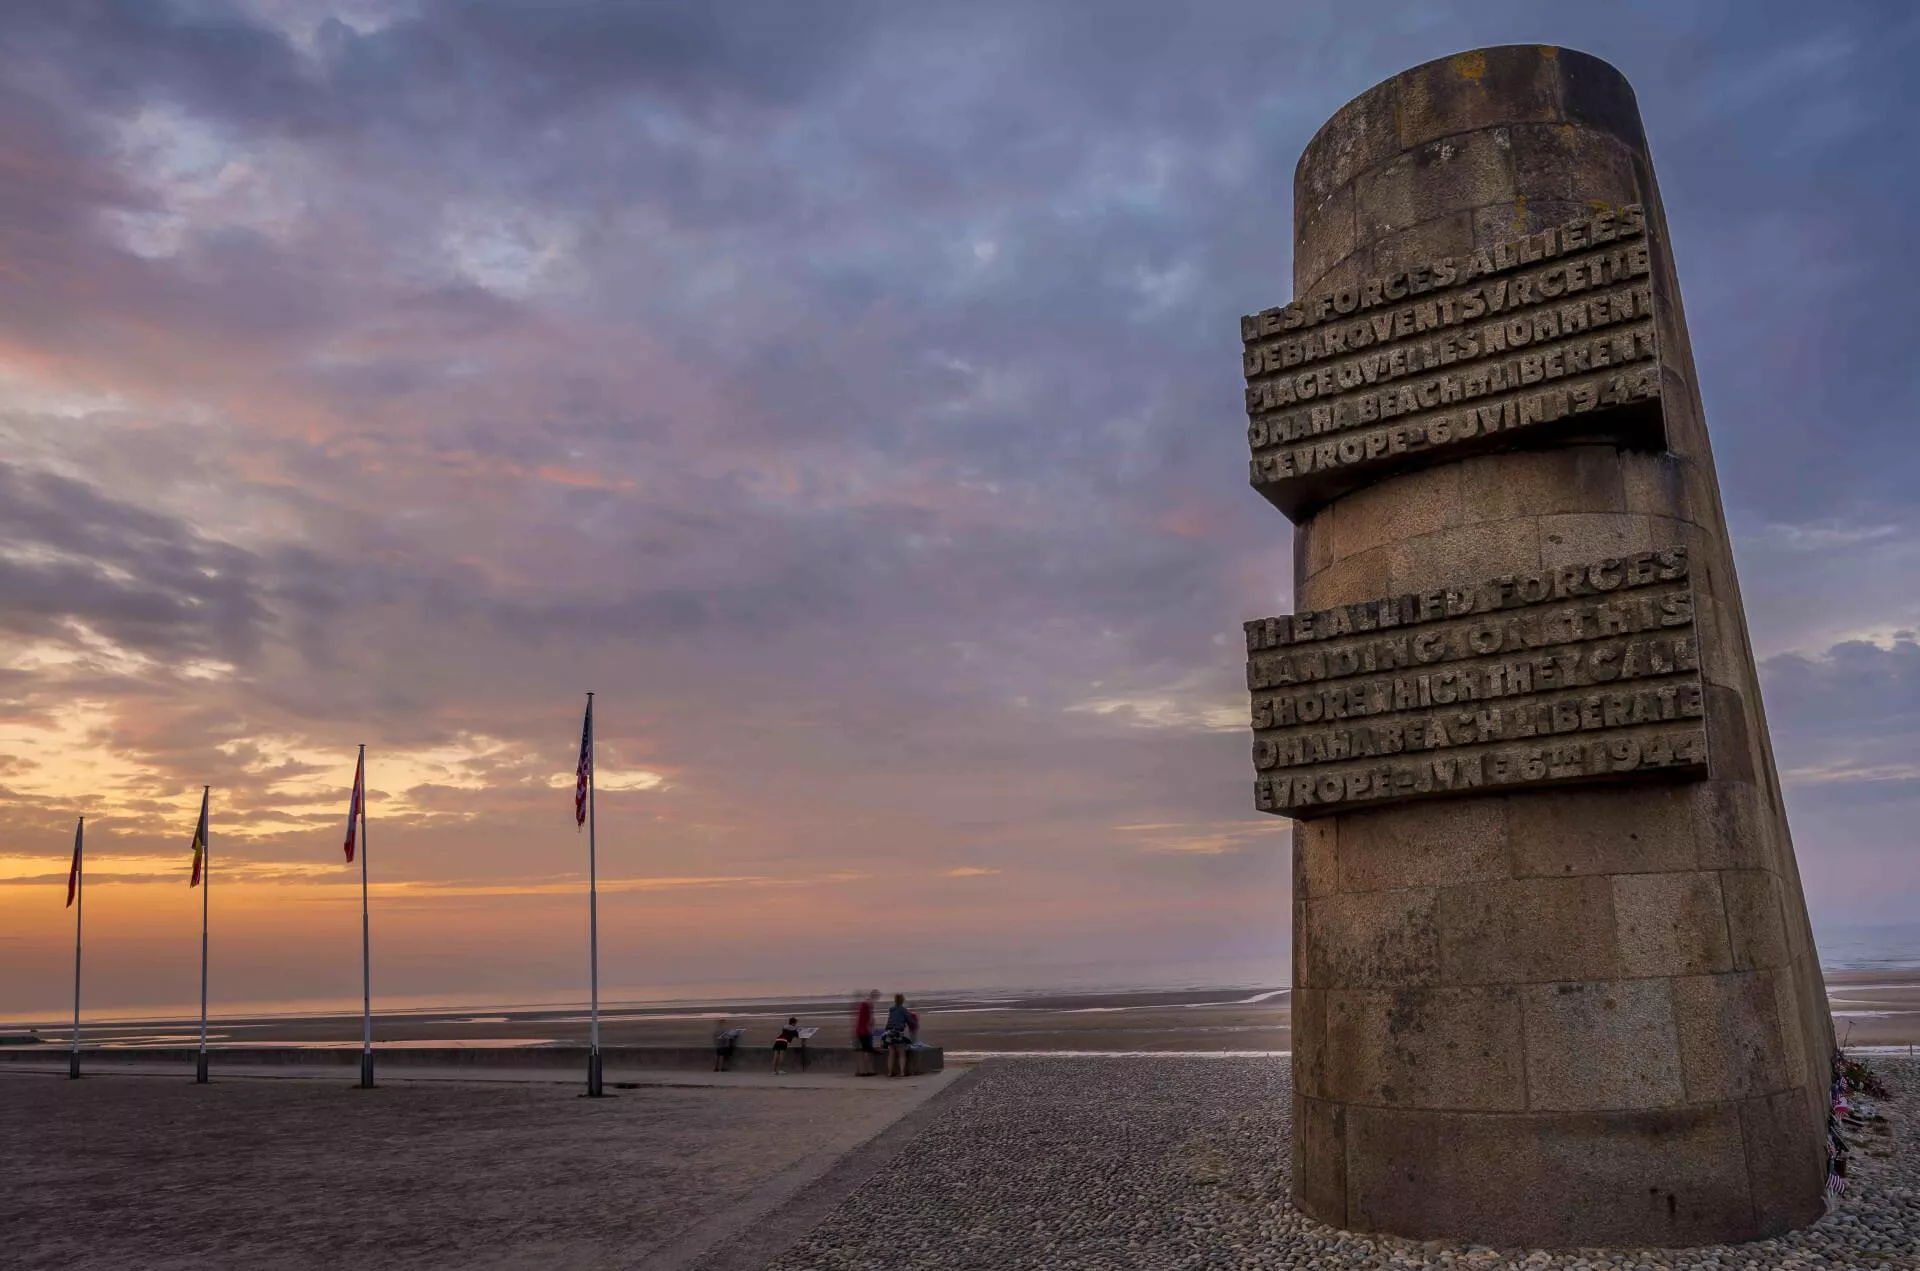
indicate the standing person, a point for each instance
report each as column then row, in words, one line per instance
column 722, row 1046
column 788, row 1035
column 899, row 1021
column 864, row 1065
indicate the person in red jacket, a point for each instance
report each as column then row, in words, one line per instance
column 788, row 1035
column 864, row 1062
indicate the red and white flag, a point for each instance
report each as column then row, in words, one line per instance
column 73, row 875
column 583, row 776
column 353, row 808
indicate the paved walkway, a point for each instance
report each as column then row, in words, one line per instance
column 269, row 1168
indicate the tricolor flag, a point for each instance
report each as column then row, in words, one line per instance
column 199, row 840
column 583, row 776
column 73, row 875
column 353, row 808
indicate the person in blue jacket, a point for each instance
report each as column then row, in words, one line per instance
column 897, row 1036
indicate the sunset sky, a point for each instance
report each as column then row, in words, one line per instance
column 848, row 393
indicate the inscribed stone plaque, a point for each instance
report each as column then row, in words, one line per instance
column 1578, row 673
column 1549, row 336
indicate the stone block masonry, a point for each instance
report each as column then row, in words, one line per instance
column 1554, row 980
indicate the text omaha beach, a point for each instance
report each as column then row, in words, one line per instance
column 1571, row 673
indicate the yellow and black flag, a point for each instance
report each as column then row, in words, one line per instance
column 199, row 839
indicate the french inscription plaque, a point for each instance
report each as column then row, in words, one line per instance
column 1548, row 336
column 1579, row 673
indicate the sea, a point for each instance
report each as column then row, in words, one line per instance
column 1869, row 946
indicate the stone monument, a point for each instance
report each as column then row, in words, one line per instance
column 1553, row 978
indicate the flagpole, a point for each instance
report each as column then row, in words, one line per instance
column 79, row 913
column 366, row 942
column 593, row 921
column 206, row 885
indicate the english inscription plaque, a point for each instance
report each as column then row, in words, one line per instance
column 1550, row 335
column 1578, row 673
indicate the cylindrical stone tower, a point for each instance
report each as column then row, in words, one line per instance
column 1554, row 982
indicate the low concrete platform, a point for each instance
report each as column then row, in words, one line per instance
column 616, row 1080
column 617, row 1062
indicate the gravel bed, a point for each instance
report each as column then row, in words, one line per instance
column 1177, row 1163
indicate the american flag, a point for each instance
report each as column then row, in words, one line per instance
column 353, row 807
column 583, row 776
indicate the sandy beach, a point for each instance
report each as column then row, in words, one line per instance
column 1871, row 1009
column 1875, row 1008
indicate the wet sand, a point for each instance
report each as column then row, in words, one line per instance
column 1875, row 1008
column 1871, row 1008
column 1215, row 1020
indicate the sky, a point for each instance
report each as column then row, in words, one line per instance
column 848, row 394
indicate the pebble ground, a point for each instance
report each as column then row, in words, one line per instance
column 1179, row 1163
